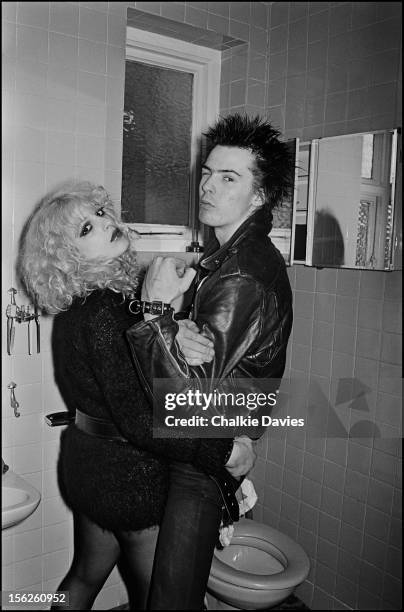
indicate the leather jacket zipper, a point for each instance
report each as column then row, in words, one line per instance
column 199, row 285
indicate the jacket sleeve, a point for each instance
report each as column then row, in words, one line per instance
column 106, row 347
column 230, row 317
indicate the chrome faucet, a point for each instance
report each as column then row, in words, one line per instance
column 13, row 402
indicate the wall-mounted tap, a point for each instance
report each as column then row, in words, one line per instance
column 21, row 314
column 13, row 402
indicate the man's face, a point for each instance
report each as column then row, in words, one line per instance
column 226, row 192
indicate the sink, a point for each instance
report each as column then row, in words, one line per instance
column 11, row 497
column 19, row 499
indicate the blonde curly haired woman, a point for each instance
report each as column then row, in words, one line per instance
column 78, row 261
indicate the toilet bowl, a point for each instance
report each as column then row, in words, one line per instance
column 259, row 569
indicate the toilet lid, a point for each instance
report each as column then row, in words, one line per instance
column 282, row 551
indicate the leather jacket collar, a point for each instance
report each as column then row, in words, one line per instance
column 258, row 223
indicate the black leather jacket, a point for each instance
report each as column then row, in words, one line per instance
column 243, row 302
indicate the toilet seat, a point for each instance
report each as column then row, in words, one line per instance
column 262, row 537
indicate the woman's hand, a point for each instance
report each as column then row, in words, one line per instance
column 242, row 458
column 167, row 278
column 195, row 347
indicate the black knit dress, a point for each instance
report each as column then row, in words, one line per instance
column 119, row 486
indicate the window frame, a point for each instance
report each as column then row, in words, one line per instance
column 205, row 64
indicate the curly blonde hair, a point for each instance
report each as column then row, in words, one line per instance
column 50, row 265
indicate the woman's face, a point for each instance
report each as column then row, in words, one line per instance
column 97, row 235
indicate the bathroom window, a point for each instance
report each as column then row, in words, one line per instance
column 156, row 144
column 171, row 96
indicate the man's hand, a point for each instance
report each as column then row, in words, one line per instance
column 242, row 458
column 195, row 347
column 166, row 279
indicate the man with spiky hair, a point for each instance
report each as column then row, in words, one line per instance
column 243, row 303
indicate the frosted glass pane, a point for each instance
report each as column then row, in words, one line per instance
column 367, row 156
column 156, row 144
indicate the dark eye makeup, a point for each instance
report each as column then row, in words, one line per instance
column 87, row 227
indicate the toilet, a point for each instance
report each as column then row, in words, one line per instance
column 260, row 568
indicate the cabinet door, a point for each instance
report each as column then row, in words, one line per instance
column 301, row 201
column 353, row 191
column 282, row 232
column 397, row 238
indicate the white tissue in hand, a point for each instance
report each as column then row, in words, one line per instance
column 248, row 496
column 248, row 500
column 225, row 535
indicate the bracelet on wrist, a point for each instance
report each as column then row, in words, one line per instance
column 155, row 307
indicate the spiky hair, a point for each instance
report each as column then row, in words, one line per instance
column 275, row 166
